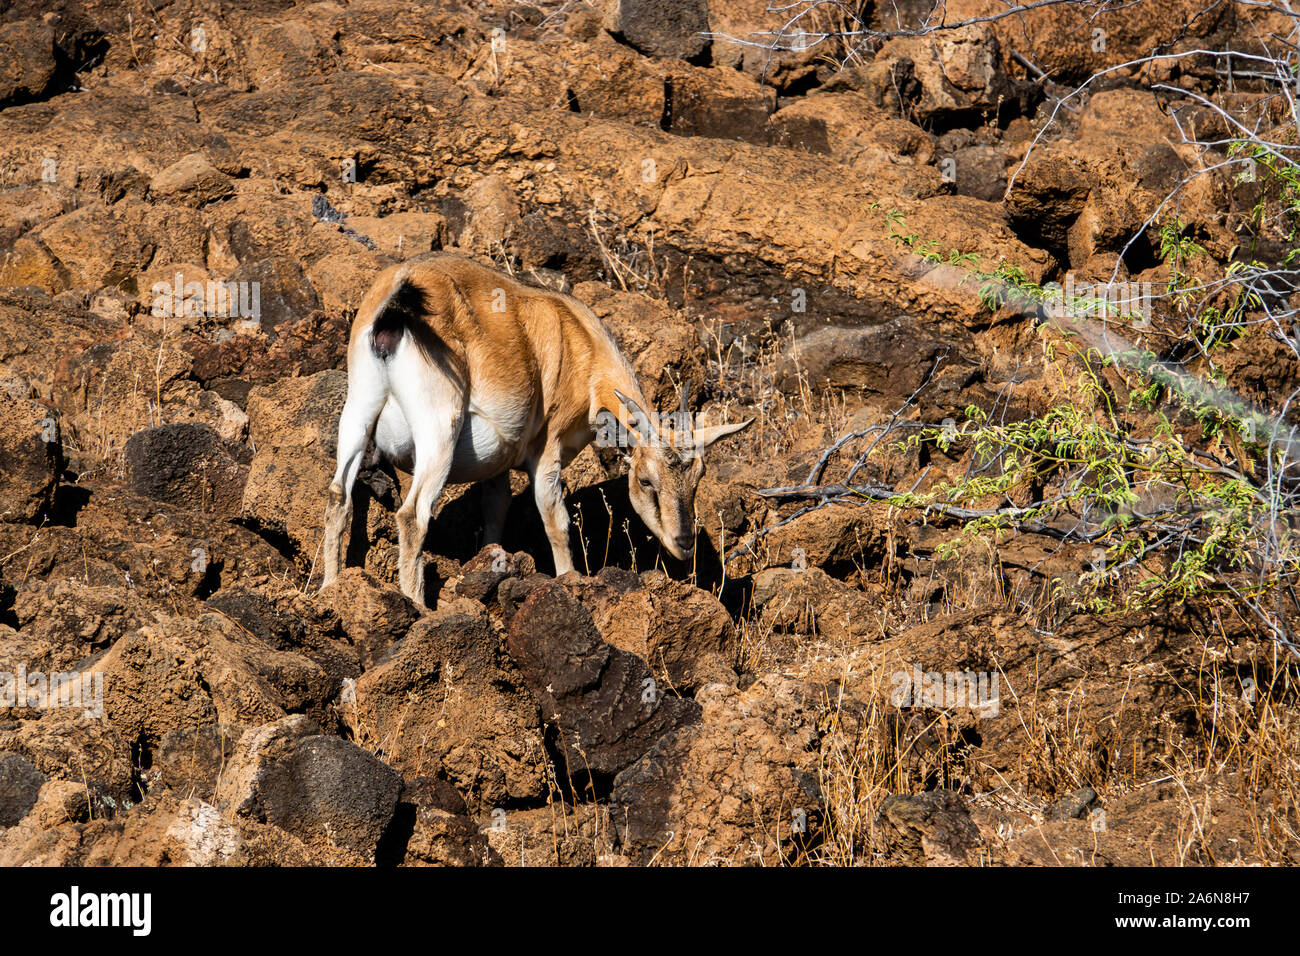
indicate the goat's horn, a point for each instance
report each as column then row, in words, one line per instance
column 637, row 418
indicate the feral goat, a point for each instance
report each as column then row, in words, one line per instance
column 460, row 373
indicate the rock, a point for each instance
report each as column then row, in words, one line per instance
column 206, row 838
column 374, row 617
column 1071, row 43
column 947, row 77
column 811, row 602
column 833, row 538
column 285, row 496
column 87, row 248
column 928, row 829
column 849, row 127
column 1085, row 198
column 20, row 784
column 28, row 66
column 1107, row 665
column 890, row 360
column 980, row 171
column 233, row 365
column 62, row 801
column 168, row 831
column 1074, row 805
column 445, row 701
column 737, row 787
column 482, row 574
column 190, row 759
column 188, row 466
column 284, row 618
column 553, row 836
column 191, row 672
column 783, row 62
column 665, row 28
column 491, row 212
column 31, row 451
column 682, row 632
column 321, row 789
column 279, row 291
column 606, row 707
column 102, row 393
column 300, row 411
column 720, row 103
column 191, row 180
column 64, row 744
column 442, row 832
column 145, row 555
column 403, row 235
column 69, row 619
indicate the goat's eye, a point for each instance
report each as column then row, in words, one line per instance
column 647, row 484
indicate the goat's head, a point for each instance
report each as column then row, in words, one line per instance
column 665, row 467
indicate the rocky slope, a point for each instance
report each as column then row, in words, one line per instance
column 733, row 216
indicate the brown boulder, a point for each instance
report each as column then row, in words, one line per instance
column 445, row 701
column 191, row 180
column 31, row 450
column 442, row 832
column 190, row 672
column 927, row 829
column 682, row 632
column 373, row 616
column 737, row 787
column 28, row 64
column 810, row 602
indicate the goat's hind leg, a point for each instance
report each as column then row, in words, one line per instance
column 434, row 409
column 367, row 394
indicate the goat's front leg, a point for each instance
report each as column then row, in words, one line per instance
column 549, row 495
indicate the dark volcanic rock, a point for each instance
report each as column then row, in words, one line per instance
column 660, row 27
column 316, row 787
column 606, row 707
column 190, row 466
column 20, row 783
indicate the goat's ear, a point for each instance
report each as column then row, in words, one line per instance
column 704, row 437
column 642, row 428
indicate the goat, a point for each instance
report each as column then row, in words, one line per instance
column 459, row 373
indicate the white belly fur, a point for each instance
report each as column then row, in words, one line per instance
column 480, row 450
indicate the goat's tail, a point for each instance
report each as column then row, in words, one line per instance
column 402, row 313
